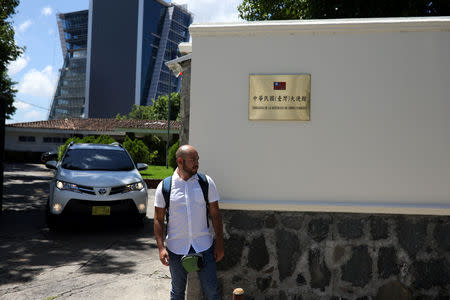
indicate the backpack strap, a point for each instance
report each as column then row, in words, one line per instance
column 204, row 184
column 166, row 188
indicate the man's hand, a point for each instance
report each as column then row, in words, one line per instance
column 216, row 217
column 164, row 257
column 218, row 251
column 159, row 229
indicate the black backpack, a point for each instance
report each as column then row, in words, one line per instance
column 167, row 186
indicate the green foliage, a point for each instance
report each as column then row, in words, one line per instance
column 172, row 151
column 157, row 111
column 102, row 139
column 8, row 92
column 253, row 10
column 258, row 10
column 139, row 151
column 154, row 143
column 9, row 52
column 161, row 104
column 138, row 112
column 62, row 148
column 88, row 139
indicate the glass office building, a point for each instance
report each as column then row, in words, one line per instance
column 115, row 54
column 69, row 96
column 164, row 29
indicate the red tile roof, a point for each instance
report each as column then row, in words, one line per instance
column 97, row 124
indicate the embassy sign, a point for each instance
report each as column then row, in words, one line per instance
column 280, row 97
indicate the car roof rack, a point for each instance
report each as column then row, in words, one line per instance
column 117, row 144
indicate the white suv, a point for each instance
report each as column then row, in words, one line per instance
column 96, row 180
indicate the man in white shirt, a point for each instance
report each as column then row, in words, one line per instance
column 188, row 230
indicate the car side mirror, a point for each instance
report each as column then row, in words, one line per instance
column 51, row 164
column 47, row 156
column 141, row 166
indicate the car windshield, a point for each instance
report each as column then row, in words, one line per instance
column 97, row 159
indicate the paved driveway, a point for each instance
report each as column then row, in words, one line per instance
column 113, row 261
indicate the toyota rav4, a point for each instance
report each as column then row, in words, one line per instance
column 96, row 180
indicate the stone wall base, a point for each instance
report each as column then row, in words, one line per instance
column 335, row 256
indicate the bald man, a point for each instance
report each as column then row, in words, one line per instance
column 188, row 229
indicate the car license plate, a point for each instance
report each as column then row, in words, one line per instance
column 101, row 210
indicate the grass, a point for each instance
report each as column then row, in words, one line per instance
column 157, row 172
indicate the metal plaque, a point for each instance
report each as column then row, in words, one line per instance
column 280, row 97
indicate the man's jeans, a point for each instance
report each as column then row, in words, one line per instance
column 207, row 275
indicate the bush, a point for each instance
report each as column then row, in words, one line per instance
column 154, row 143
column 62, row 148
column 172, row 151
column 104, row 139
column 139, row 151
column 90, row 139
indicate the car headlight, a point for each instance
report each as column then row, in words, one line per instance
column 137, row 186
column 61, row 185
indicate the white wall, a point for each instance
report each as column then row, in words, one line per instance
column 379, row 135
column 12, row 134
column 12, row 142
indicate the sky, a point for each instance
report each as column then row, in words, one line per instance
column 36, row 28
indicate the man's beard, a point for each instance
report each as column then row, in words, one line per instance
column 191, row 171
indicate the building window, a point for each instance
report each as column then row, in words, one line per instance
column 63, row 102
column 54, row 140
column 30, row 139
column 61, row 111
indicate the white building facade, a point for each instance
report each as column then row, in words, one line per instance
column 355, row 202
column 379, row 134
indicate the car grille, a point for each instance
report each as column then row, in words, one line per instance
column 86, row 189
column 84, row 207
column 118, row 190
column 114, row 190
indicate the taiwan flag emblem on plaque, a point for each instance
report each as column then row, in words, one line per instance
column 279, row 85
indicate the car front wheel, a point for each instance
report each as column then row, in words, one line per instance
column 139, row 221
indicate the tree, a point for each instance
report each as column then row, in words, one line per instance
column 157, row 111
column 9, row 52
column 138, row 151
column 258, row 10
column 172, row 160
column 160, row 106
column 154, row 143
column 138, row 112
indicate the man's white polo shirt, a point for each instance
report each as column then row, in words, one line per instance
column 187, row 214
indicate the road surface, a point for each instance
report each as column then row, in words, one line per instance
column 94, row 261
